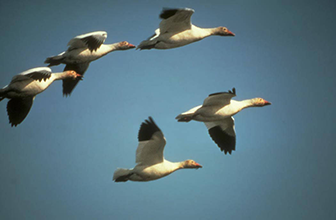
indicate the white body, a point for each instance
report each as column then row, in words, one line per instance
column 216, row 113
column 25, row 86
column 179, row 39
column 151, row 164
column 145, row 173
column 82, row 50
column 28, row 87
column 176, row 30
column 84, row 55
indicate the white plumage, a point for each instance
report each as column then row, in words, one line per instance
column 216, row 112
column 84, row 49
column 25, row 86
column 176, row 30
column 151, row 164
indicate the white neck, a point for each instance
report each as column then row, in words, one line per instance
column 108, row 48
column 205, row 32
column 173, row 166
column 59, row 76
column 242, row 104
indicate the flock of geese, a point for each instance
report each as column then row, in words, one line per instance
column 175, row 30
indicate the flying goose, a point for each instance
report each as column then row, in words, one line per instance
column 216, row 113
column 23, row 88
column 82, row 50
column 151, row 164
column 176, row 30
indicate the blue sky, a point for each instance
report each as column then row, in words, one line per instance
column 58, row 164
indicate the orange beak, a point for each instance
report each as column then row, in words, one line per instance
column 229, row 33
column 267, row 103
column 131, row 46
column 79, row 76
column 198, row 165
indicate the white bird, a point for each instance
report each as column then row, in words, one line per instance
column 25, row 86
column 151, row 164
column 82, row 50
column 176, row 30
column 216, row 112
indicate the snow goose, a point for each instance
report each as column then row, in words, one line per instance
column 176, row 30
column 151, row 164
column 82, row 50
column 216, row 112
column 25, row 86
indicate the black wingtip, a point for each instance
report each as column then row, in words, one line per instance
column 233, row 91
column 224, row 141
column 18, row 109
column 168, row 12
column 147, row 129
column 66, row 94
column 12, row 124
column 227, row 151
column 69, row 85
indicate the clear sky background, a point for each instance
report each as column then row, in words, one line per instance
column 58, row 164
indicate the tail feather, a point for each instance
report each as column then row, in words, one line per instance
column 146, row 45
column 55, row 60
column 121, row 175
column 2, row 94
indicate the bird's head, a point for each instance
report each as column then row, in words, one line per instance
column 191, row 164
column 260, row 102
column 223, row 31
column 74, row 75
column 124, row 45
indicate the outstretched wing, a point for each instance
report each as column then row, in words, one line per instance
column 38, row 73
column 220, row 98
column 18, row 109
column 223, row 134
column 175, row 20
column 151, row 144
column 91, row 40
